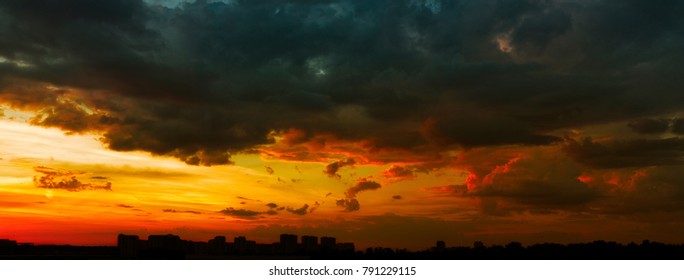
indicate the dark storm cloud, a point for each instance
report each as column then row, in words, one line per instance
column 540, row 193
column 479, row 131
column 649, row 126
column 652, row 190
column 68, row 116
column 540, row 181
column 60, row 11
column 626, row 153
column 208, row 79
column 535, row 32
column 678, row 126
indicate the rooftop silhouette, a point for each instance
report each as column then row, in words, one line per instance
column 290, row 246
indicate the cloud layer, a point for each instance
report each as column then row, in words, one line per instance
column 66, row 180
column 546, row 107
column 206, row 79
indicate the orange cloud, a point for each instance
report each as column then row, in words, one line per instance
column 350, row 203
column 64, row 180
column 398, row 173
column 331, row 169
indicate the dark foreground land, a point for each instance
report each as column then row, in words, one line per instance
column 142, row 249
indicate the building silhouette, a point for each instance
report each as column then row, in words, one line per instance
column 168, row 241
column 7, row 246
column 345, row 247
column 288, row 243
column 7, row 243
column 217, row 246
column 243, row 246
column 328, row 243
column 129, row 245
column 173, row 247
column 309, row 243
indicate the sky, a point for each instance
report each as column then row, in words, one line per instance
column 390, row 123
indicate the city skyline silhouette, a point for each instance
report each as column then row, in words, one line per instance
column 289, row 246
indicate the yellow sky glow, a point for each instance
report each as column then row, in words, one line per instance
column 151, row 193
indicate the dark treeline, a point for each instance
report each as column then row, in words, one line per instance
column 66, row 252
column 173, row 247
column 597, row 250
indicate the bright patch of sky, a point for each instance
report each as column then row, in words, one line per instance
column 18, row 63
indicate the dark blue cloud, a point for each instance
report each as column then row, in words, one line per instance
column 203, row 80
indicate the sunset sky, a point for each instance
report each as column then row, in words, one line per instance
column 386, row 123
